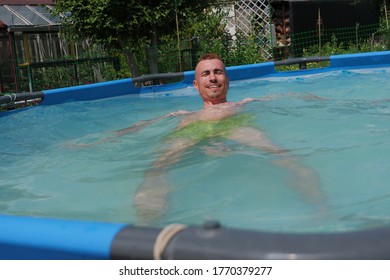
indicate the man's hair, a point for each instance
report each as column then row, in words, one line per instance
column 209, row 56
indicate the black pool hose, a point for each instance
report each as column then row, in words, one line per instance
column 215, row 242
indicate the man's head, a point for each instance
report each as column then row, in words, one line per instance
column 211, row 80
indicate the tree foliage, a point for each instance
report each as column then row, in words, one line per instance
column 208, row 33
column 125, row 25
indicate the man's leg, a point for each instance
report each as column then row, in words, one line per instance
column 254, row 138
column 151, row 198
column 303, row 179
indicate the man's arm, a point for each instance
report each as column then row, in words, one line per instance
column 131, row 129
column 304, row 96
column 144, row 123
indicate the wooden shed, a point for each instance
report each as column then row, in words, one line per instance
column 34, row 55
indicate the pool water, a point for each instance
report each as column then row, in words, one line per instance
column 337, row 123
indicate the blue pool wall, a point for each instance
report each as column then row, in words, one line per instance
column 126, row 86
column 43, row 238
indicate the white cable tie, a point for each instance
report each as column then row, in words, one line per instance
column 164, row 237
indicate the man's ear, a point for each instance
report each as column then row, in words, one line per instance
column 195, row 84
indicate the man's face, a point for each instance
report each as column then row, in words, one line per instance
column 211, row 80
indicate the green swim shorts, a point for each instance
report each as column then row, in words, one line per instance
column 200, row 130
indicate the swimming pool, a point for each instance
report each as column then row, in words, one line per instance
column 334, row 132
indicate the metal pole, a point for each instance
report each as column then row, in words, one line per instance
column 28, row 62
column 357, row 36
column 14, row 59
column 387, row 20
column 178, row 36
column 319, row 23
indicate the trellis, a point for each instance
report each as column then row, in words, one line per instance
column 251, row 17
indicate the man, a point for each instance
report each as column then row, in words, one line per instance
column 218, row 118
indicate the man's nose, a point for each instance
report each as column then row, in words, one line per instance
column 212, row 77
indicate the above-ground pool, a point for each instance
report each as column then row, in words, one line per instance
column 68, row 182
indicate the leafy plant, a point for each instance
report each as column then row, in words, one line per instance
column 125, row 25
